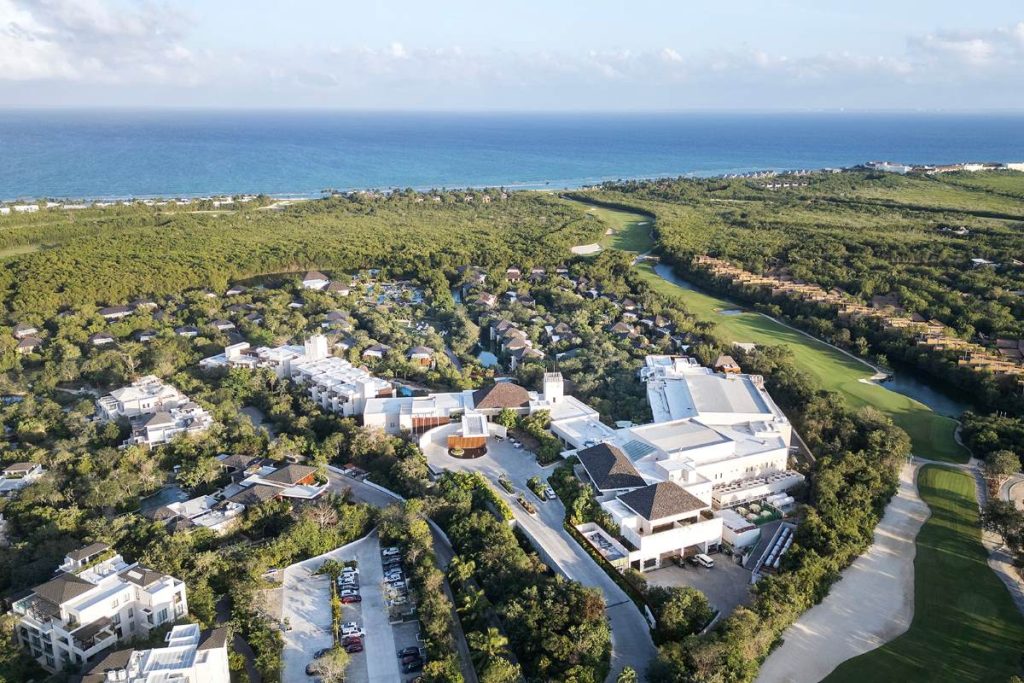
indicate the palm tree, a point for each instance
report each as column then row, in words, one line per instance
column 487, row 646
column 628, row 675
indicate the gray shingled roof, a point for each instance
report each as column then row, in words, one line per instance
column 254, row 495
column 65, row 587
column 609, row 467
column 88, row 551
column 664, row 499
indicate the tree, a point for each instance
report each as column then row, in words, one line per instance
column 500, row 670
column 679, row 611
column 628, row 675
column 486, row 646
column 507, row 418
column 1002, row 463
column 331, row 667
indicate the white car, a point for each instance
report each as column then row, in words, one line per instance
column 388, row 552
column 705, row 561
column 352, row 629
column 350, row 570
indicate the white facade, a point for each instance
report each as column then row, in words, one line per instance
column 95, row 601
column 189, row 657
column 333, row 382
column 720, row 438
column 158, row 412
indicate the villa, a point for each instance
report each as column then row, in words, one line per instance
column 314, row 279
column 95, row 600
column 157, row 411
column 189, row 655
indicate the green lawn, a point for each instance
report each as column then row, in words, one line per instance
column 631, row 233
column 966, row 627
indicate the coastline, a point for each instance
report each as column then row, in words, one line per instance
column 551, row 186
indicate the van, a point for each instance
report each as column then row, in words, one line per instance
column 705, row 561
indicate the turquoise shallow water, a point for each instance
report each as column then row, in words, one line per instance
column 144, row 153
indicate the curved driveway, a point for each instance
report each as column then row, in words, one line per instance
column 631, row 637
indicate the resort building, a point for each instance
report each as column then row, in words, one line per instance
column 333, row 382
column 156, row 411
column 190, row 656
column 95, row 600
column 718, row 441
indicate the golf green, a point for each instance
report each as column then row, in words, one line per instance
column 965, row 627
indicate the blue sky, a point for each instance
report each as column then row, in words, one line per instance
column 528, row 55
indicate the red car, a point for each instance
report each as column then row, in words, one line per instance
column 353, row 648
column 347, row 599
column 351, row 640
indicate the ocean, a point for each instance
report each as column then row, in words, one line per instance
column 117, row 154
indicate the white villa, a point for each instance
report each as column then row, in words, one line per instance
column 717, row 441
column 333, row 382
column 157, row 411
column 96, row 600
column 190, row 656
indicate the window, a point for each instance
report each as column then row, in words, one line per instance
column 116, row 619
column 115, row 603
column 161, row 616
column 131, row 613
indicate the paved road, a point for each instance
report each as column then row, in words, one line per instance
column 307, row 606
column 631, row 638
column 362, row 492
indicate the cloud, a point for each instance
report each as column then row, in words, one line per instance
column 92, row 40
column 65, row 51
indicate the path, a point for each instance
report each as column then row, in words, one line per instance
column 870, row 605
column 631, row 639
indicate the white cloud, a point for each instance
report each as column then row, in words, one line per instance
column 72, row 45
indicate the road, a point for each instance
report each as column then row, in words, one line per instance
column 381, row 498
column 631, row 638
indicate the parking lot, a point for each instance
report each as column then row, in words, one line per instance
column 727, row 584
column 307, row 607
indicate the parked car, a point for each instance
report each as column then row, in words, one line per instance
column 348, row 640
column 705, row 561
column 320, row 653
column 415, row 665
column 353, row 648
column 410, row 657
column 349, row 591
column 409, row 651
column 400, row 600
column 390, row 552
column 549, row 493
column 349, row 599
column 351, row 628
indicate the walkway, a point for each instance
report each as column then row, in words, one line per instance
column 631, row 638
column 870, row 605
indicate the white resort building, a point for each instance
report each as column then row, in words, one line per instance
column 157, row 411
column 190, row 656
column 333, row 382
column 96, row 600
column 717, row 441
